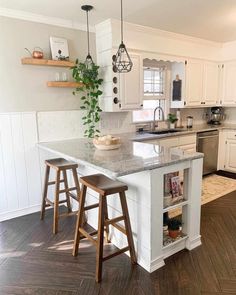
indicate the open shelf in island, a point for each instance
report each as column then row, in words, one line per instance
column 168, row 241
column 47, row 62
column 176, row 205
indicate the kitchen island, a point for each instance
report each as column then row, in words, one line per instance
column 143, row 167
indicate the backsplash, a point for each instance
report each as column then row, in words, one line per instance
column 59, row 125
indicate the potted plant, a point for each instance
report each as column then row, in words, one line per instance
column 174, row 227
column 89, row 80
column 172, row 119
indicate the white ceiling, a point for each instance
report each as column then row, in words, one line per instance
column 208, row 19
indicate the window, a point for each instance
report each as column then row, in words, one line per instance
column 154, row 81
column 154, row 94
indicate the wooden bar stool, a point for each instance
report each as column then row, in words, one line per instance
column 104, row 186
column 61, row 166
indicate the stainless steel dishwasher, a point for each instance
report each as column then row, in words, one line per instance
column 207, row 143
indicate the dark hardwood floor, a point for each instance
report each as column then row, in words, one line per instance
column 33, row 261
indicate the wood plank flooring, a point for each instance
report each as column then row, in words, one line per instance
column 33, row 261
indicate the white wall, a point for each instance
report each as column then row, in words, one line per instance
column 23, row 87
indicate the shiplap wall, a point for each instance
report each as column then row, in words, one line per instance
column 20, row 177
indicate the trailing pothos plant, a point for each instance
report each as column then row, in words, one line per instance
column 89, row 87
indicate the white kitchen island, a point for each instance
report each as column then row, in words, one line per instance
column 142, row 167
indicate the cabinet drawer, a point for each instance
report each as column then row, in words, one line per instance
column 166, row 142
column 187, row 139
column 231, row 134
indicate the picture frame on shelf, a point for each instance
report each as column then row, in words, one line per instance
column 176, row 189
column 59, row 48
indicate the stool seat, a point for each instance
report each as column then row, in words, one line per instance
column 103, row 185
column 60, row 163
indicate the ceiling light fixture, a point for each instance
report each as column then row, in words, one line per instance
column 122, row 61
column 88, row 61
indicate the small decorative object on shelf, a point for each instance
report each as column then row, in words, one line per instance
column 176, row 189
column 59, row 48
column 107, row 142
column 174, row 227
column 37, row 52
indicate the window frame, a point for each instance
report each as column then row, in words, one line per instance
column 154, row 96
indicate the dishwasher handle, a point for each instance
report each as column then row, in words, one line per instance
column 211, row 136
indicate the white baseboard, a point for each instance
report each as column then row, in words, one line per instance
column 19, row 212
column 193, row 243
column 157, row 263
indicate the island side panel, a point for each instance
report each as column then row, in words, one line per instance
column 193, row 210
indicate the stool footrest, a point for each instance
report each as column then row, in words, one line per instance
column 67, row 190
column 87, row 235
column 91, row 207
column 73, row 197
column 50, row 203
column 114, row 220
column 120, row 251
column 68, row 214
column 93, row 233
column 120, row 228
column 54, row 182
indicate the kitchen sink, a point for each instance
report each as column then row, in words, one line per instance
column 165, row 131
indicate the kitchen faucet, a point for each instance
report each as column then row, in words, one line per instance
column 154, row 116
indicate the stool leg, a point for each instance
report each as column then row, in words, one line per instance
column 45, row 191
column 106, row 218
column 128, row 227
column 76, row 181
column 79, row 221
column 100, row 238
column 67, row 193
column 56, row 202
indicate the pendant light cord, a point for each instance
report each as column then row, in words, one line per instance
column 88, row 35
column 121, row 18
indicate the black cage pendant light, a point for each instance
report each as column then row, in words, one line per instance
column 122, row 61
column 88, row 61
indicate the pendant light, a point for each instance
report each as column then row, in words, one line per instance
column 88, row 61
column 122, row 61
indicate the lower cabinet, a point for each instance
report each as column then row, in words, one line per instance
column 185, row 142
column 227, row 150
column 230, row 155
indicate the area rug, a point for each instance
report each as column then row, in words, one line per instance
column 213, row 187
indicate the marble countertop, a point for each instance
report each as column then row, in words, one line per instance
column 131, row 157
column 142, row 136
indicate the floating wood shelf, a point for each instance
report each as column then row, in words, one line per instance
column 63, row 84
column 46, row 62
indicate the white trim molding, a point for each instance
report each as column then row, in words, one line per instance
column 48, row 20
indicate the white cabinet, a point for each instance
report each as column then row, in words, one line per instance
column 185, row 142
column 230, row 159
column 230, row 151
column 229, row 84
column 131, row 85
column 211, row 83
column 194, row 82
column 202, row 83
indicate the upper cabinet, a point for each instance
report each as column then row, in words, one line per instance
column 194, row 82
column 202, row 83
column 211, row 79
column 229, row 84
column 131, row 85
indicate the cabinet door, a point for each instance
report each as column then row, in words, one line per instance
column 131, row 85
column 230, row 163
column 229, row 84
column 194, row 83
column 210, row 83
